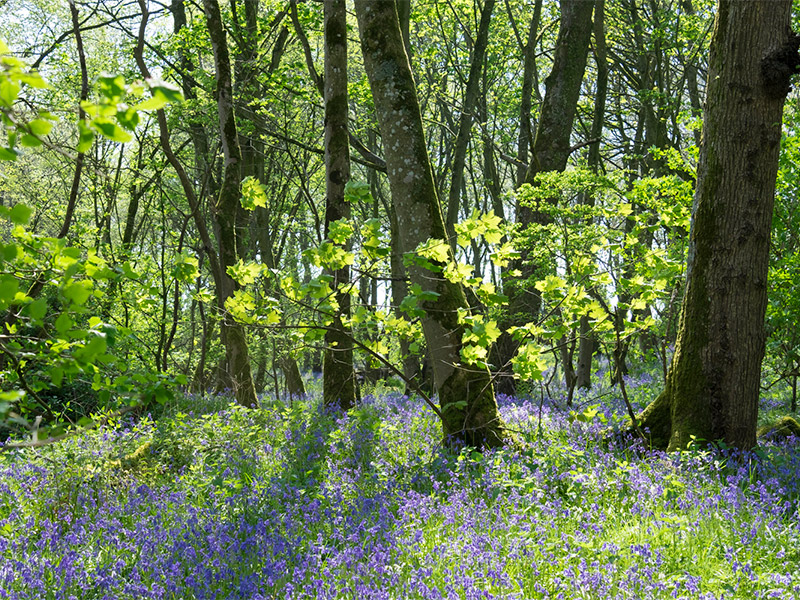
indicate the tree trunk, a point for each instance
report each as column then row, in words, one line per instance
column 465, row 120
column 712, row 389
column 339, row 381
column 226, row 210
column 294, row 380
column 468, row 407
column 587, row 341
column 530, row 86
column 551, row 149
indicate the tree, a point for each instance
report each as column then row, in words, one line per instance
column 468, row 407
column 712, row 388
column 339, row 382
column 226, row 211
column 551, row 150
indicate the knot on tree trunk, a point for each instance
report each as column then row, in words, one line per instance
column 778, row 66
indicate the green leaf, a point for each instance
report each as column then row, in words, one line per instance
column 129, row 118
column 128, row 270
column 340, row 231
column 20, row 214
column 40, row 127
column 56, row 375
column 245, row 273
column 550, row 283
column 86, row 137
column 111, row 130
column 152, row 103
column 92, row 349
column 30, row 141
column 78, row 291
column 8, row 92
column 165, row 92
column 63, row 323
column 33, row 79
column 241, row 305
column 8, row 154
column 37, row 310
column 357, row 191
column 9, row 251
column 434, row 249
column 9, row 285
column 111, row 86
column 185, row 268
column 253, row 194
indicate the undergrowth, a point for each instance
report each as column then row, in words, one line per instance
column 209, row 500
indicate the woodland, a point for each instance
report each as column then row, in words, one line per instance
column 399, row 299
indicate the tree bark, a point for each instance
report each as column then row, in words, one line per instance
column 468, row 406
column 712, row 388
column 551, row 149
column 530, row 86
column 225, row 211
column 338, row 376
column 468, row 107
column 587, row 341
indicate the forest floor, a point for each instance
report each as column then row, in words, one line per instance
column 207, row 500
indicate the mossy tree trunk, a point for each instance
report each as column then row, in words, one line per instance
column 712, row 388
column 468, row 406
column 551, row 149
column 225, row 212
column 339, row 382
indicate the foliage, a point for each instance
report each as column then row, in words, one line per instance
column 619, row 258
column 784, row 299
column 53, row 342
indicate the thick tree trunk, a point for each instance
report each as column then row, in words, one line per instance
column 468, row 407
column 712, row 388
column 339, row 381
column 226, row 210
column 411, row 360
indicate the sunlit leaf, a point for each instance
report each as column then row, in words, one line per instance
column 20, row 214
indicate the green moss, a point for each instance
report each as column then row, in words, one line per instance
column 656, row 418
column 469, row 409
column 782, row 428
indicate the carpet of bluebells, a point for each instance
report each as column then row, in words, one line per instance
column 208, row 500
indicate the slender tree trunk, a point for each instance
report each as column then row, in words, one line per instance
column 690, row 70
column 529, row 89
column 587, row 342
column 339, row 381
column 551, row 149
column 226, row 211
column 712, row 388
column 468, row 107
column 468, row 407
